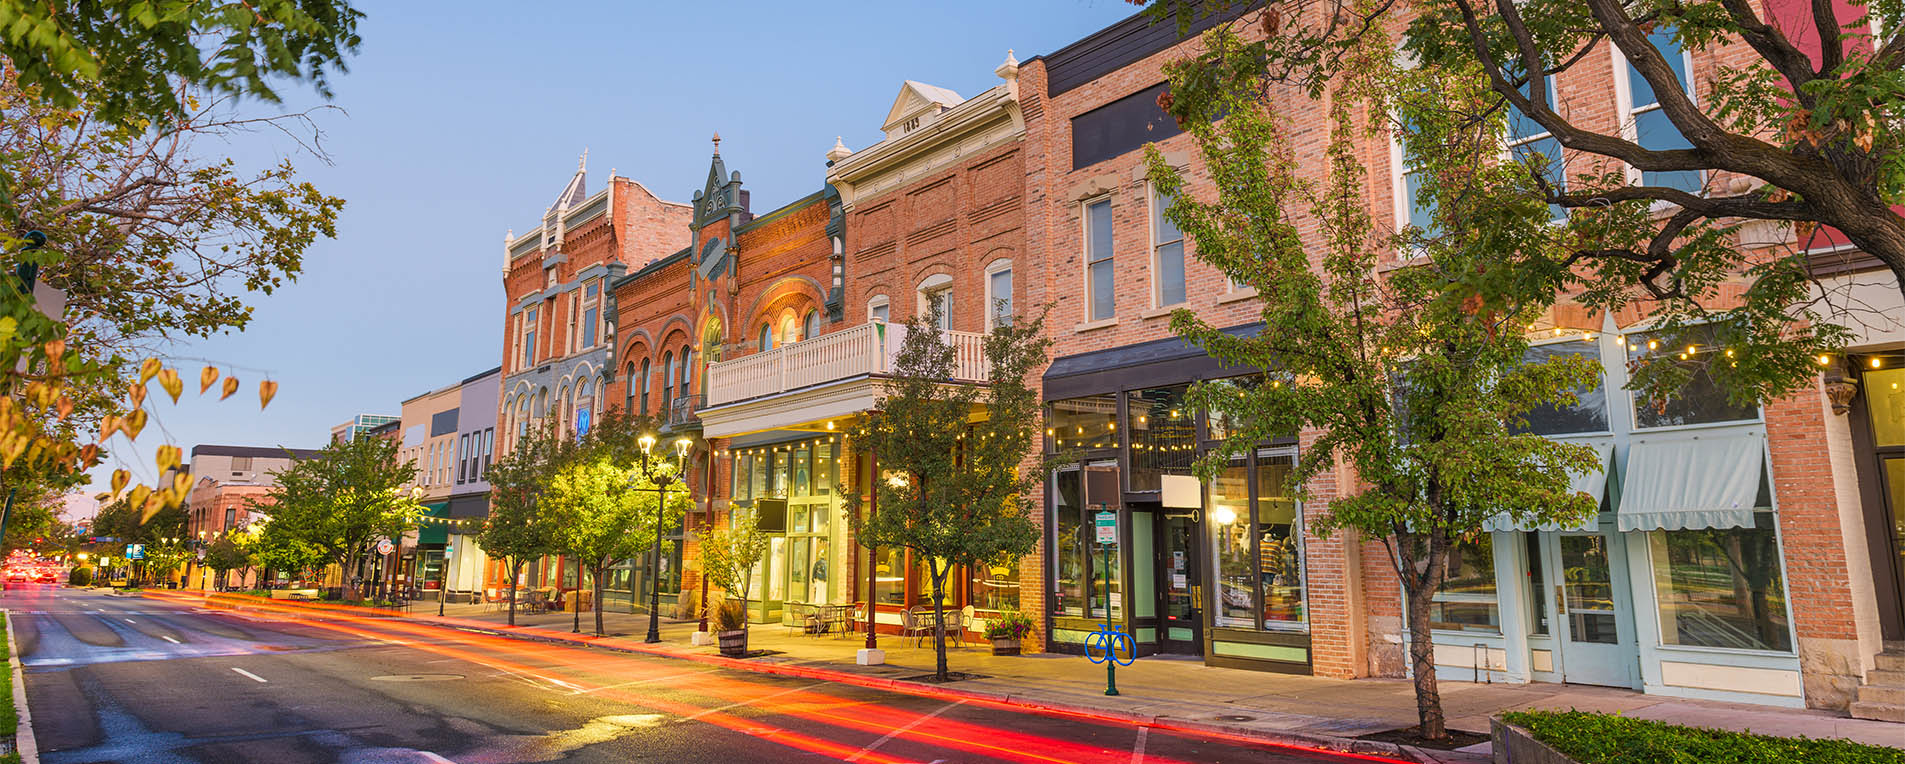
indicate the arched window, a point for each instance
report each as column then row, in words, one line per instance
column 628, row 389
column 877, row 309
column 767, row 337
column 935, row 300
column 790, row 329
column 687, row 368
column 645, row 387
column 998, row 293
column 810, row 326
column 668, row 382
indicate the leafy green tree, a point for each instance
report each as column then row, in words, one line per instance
column 228, row 553
column 340, row 502
column 605, row 512
column 142, row 54
column 729, row 556
column 1415, row 377
column 957, row 495
column 516, row 530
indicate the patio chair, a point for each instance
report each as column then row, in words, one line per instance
column 968, row 616
column 917, row 623
column 794, row 616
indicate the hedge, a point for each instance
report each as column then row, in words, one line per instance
column 1603, row 739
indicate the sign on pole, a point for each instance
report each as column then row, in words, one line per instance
column 384, row 546
column 135, row 551
column 1107, row 525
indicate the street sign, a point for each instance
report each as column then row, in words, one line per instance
column 135, row 551
column 1107, row 525
column 384, row 546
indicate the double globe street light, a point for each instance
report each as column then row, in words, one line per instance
column 661, row 481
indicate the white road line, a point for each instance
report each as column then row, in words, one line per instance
column 253, row 677
column 738, row 704
column 169, row 639
column 553, row 680
column 1137, row 750
column 128, row 620
column 435, row 757
column 901, row 730
column 640, row 681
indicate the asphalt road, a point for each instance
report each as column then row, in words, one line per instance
column 130, row 679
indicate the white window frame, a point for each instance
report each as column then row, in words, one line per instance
column 595, row 303
column 810, row 324
column 575, row 321
column 1399, row 188
column 1086, row 258
column 1154, row 210
column 1624, row 101
column 1511, row 143
column 876, row 302
column 938, row 286
column 1001, row 265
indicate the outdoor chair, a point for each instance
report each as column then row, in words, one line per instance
column 917, row 623
column 794, row 616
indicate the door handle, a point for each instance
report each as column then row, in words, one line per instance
column 1560, row 600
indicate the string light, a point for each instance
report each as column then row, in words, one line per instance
column 1653, row 344
column 1877, row 362
column 1824, row 360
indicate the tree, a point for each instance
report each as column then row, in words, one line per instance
column 516, row 530
column 340, row 502
column 729, row 556
column 227, row 553
column 1416, row 376
column 143, row 54
column 605, row 511
column 957, row 495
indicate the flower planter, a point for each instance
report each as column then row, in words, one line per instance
column 1005, row 646
column 733, row 643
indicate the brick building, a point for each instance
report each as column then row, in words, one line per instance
column 226, row 482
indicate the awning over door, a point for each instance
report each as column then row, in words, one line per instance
column 1592, row 483
column 1682, row 483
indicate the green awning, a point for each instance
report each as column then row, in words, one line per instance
column 1711, row 480
column 1592, row 482
column 434, row 529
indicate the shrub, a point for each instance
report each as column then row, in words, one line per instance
column 1010, row 624
column 1603, row 739
column 80, row 577
column 729, row 616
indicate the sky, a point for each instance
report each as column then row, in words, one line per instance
column 460, row 120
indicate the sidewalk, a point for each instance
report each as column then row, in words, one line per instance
column 1184, row 690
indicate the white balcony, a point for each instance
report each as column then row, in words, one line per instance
column 868, row 350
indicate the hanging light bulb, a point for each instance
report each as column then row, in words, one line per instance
column 1877, row 362
column 1824, row 360
column 1653, row 344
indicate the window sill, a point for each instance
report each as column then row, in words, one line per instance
column 1238, row 295
column 1104, row 323
column 1162, row 310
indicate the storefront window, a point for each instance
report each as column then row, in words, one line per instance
column 949, row 593
column 1230, row 521
column 1885, row 402
column 1587, row 414
column 1721, row 587
column 1090, row 422
column 1104, row 563
column 1699, row 401
column 890, row 576
column 1068, row 545
column 757, row 475
column 777, row 474
column 1220, row 424
column 1466, row 601
column 996, row 586
column 823, row 469
column 1279, row 542
column 1163, row 436
column 803, row 475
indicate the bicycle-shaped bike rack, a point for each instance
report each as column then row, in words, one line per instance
column 1113, row 648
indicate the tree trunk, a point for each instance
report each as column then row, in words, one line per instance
column 1422, row 663
column 597, row 575
column 939, row 618
column 515, row 574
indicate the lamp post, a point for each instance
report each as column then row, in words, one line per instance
column 661, row 500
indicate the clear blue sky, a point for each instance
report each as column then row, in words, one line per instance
column 465, row 119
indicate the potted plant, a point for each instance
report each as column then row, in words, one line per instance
column 728, row 558
column 1007, row 630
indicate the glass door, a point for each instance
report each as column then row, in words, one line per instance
column 1181, row 588
column 1595, row 638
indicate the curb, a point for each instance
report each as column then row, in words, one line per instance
column 1371, row 749
column 23, row 740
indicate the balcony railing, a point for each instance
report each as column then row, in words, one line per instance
column 865, row 349
column 681, row 411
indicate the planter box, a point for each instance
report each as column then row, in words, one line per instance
column 733, row 643
column 1516, row 745
column 1005, row 647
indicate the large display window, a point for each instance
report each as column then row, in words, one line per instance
column 1257, row 543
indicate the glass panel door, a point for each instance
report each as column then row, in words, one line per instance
column 1181, row 588
column 1596, row 638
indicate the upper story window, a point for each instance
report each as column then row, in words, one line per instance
column 877, row 309
column 1120, row 127
column 1167, row 254
column 1412, row 210
column 1699, row 401
column 810, row 325
column 1530, row 143
column 645, row 387
column 766, row 341
column 591, row 311
column 668, row 382
column 1099, row 290
column 790, row 329
column 529, row 338
column 998, row 293
column 935, row 300
column 1651, row 127
column 1589, row 412
column 687, row 368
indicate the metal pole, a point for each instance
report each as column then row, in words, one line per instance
column 1111, row 662
column 654, row 571
column 707, row 524
column 873, row 555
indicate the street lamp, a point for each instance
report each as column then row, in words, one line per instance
column 661, row 482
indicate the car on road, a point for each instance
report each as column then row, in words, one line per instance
column 46, row 576
column 16, row 575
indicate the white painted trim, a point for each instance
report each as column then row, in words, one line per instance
column 1085, row 255
column 1003, row 264
column 23, row 740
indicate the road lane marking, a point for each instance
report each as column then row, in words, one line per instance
column 253, row 677
column 1137, row 750
column 639, row 681
column 553, row 680
column 738, row 704
column 128, row 620
column 435, row 757
column 169, row 639
column 902, row 730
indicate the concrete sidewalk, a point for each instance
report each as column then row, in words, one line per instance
column 1181, row 689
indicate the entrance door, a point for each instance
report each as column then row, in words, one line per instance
column 1181, row 608
column 1596, row 624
